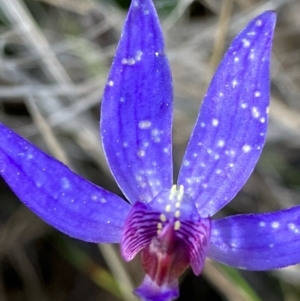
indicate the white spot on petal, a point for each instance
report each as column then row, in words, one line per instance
column 144, row 124
column 65, row 183
column 188, row 180
column 234, row 83
column 215, row 122
column 246, row 42
column 275, row 225
column 111, row 83
column 129, row 61
column 155, row 132
column 246, row 148
column 138, row 178
column 258, row 22
column 262, row 120
column 94, row 197
column 221, row 143
column 255, row 112
column 186, row 163
column 141, row 153
column 291, row 226
column 138, row 55
column 251, row 33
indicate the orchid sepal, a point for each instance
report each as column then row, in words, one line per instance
column 138, row 98
column 230, row 131
column 59, row 196
column 257, row 242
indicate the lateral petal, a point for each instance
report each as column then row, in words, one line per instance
column 196, row 237
column 136, row 112
column 57, row 195
column 257, row 241
column 230, row 130
column 140, row 227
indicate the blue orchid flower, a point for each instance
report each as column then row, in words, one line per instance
column 170, row 225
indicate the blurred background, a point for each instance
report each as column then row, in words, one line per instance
column 55, row 56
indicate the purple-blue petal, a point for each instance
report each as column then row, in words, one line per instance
column 257, row 241
column 57, row 195
column 136, row 112
column 230, row 130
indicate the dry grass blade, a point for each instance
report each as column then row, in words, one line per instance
column 20, row 17
column 222, row 283
column 46, row 132
column 220, row 39
column 114, row 263
column 30, row 278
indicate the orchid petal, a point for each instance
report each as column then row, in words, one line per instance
column 257, row 241
column 196, row 236
column 136, row 112
column 230, row 130
column 140, row 227
column 57, row 195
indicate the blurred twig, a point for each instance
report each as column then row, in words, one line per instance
column 225, row 284
column 120, row 273
column 46, row 132
column 30, row 279
column 220, row 39
column 20, row 17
